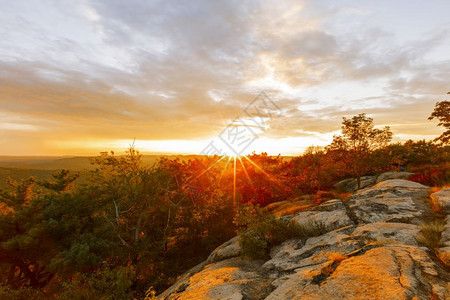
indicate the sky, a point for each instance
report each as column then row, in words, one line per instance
column 80, row 77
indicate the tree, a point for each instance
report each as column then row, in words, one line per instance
column 357, row 143
column 62, row 181
column 24, row 244
column 442, row 113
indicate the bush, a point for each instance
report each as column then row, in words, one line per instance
column 257, row 241
column 262, row 235
column 105, row 283
column 7, row 293
column 432, row 177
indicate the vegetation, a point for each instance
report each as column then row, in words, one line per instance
column 127, row 225
column 261, row 231
column 442, row 113
column 430, row 234
column 356, row 146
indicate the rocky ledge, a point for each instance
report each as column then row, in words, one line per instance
column 369, row 252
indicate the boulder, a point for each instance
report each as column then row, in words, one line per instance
column 228, row 279
column 328, row 219
column 393, row 175
column 351, row 185
column 394, row 200
column 226, row 250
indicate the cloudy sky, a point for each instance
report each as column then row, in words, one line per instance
column 79, row 77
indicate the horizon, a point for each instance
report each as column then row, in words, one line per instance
column 77, row 79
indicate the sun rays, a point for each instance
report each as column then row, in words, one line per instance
column 238, row 165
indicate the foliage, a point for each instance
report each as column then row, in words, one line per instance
column 103, row 283
column 432, row 177
column 263, row 231
column 129, row 225
column 354, row 149
column 8, row 293
column 62, row 181
column 442, row 113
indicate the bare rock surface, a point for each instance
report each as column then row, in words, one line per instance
column 226, row 250
column 368, row 252
column 393, row 175
column 394, row 200
column 351, row 185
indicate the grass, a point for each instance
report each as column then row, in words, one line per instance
column 430, row 234
column 335, row 258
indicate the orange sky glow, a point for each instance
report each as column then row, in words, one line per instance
column 80, row 77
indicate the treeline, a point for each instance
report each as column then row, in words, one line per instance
column 133, row 226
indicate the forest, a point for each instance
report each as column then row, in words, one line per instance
column 131, row 229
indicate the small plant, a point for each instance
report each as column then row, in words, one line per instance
column 150, row 294
column 430, row 234
column 335, row 258
column 257, row 241
column 265, row 231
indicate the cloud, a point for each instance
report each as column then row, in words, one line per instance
column 178, row 70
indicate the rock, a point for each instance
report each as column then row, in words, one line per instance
column 384, row 209
column 329, row 219
column 351, row 185
column 442, row 198
column 389, row 233
column 292, row 254
column 394, row 200
column 369, row 251
column 226, row 250
column 226, row 279
column 284, row 208
column 400, row 184
column 342, row 185
column 445, row 236
column 393, row 175
column 402, row 272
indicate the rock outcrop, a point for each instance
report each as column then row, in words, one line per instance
column 442, row 199
column 368, row 252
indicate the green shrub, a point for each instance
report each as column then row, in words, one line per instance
column 262, row 235
column 253, row 245
column 105, row 283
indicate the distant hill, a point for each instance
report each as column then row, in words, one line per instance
column 17, row 174
column 67, row 162
column 42, row 167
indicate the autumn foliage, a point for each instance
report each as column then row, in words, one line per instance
column 129, row 226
